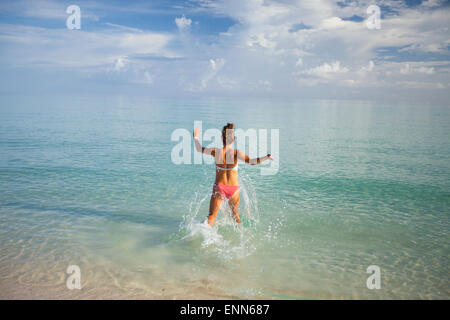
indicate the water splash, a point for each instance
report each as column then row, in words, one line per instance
column 208, row 234
column 227, row 239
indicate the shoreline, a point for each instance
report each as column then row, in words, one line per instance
column 12, row 289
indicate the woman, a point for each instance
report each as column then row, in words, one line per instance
column 226, row 184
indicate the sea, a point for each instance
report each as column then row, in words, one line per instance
column 357, row 208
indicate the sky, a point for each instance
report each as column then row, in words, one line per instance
column 287, row 48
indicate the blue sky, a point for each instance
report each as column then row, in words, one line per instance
column 285, row 48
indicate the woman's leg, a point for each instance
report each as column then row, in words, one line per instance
column 234, row 204
column 214, row 205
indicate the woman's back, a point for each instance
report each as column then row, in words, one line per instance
column 226, row 167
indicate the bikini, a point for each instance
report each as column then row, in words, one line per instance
column 224, row 190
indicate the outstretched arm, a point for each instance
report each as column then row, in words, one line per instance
column 198, row 146
column 242, row 156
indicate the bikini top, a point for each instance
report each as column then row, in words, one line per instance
column 228, row 169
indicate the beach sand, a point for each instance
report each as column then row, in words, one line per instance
column 12, row 289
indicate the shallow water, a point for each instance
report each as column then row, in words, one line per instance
column 89, row 181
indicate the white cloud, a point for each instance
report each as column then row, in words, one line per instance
column 418, row 85
column 330, row 51
column 124, row 70
column 183, row 22
column 262, row 50
column 43, row 9
column 120, row 63
column 118, row 26
column 369, row 68
column 431, row 3
column 326, row 70
column 227, row 83
column 215, row 65
column 261, row 40
column 147, row 78
column 78, row 49
column 408, row 69
column 334, row 23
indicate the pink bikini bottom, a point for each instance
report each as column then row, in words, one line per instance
column 226, row 191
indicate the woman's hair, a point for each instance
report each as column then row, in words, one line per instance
column 228, row 134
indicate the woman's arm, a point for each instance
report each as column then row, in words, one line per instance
column 242, row 156
column 198, row 146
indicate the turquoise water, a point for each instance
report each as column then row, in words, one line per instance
column 89, row 181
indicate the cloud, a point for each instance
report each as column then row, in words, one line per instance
column 326, row 70
column 334, row 23
column 183, row 22
column 418, row 85
column 147, row 78
column 42, row 9
column 408, row 69
column 270, row 41
column 123, row 27
column 124, row 70
column 120, row 63
column 215, row 65
column 432, row 3
column 279, row 47
column 262, row 41
column 78, row 49
column 370, row 68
